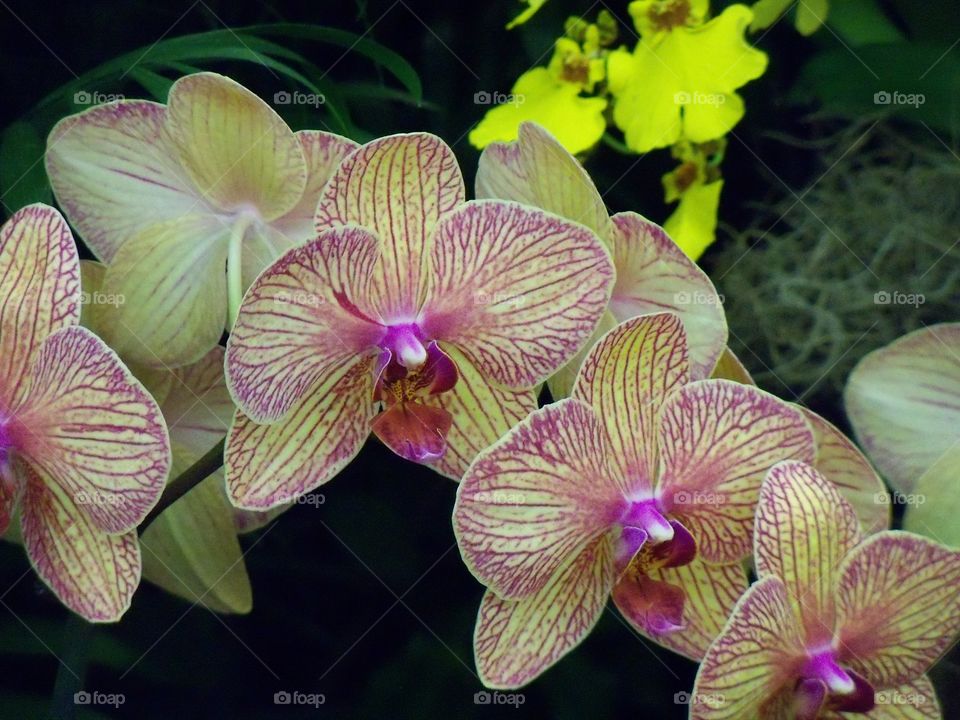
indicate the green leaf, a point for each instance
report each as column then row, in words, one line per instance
column 155, row 84
column 22, row 177
column 863, row 22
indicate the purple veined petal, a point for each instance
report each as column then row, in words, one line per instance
column 717, row 440
column 654, row 275
column 236, row 149
column 517, row 640
column 413, row 430
column 898, row 606
column 804, row 530
column 92, row 572
column 39, row 292
column 653, row 606
column 398, row 187
column 517, row 290
column 903, row 401
column 114, row 172
column 502, row 175
column 625, row 378
column 93, row 431
column 309, row 312
column 535, row 499
column 268, row 466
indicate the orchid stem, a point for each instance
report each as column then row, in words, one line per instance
column 185, row 482
column 235, row 269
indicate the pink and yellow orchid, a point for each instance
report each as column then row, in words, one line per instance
column 653, row 274
column 169, row 195
column 837, row 624
column 642, row 484
column 84, row 452
column 445, row 312
column 904, row 404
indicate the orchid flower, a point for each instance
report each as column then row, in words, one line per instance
column 653, row 274
column 191, row 549
column 642, row 484
column 169, row 195
column 837, row 623
column 446, row 313
column 84, row 452
column 903, row 401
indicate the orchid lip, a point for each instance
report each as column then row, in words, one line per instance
column 646, row 515
column 406, row 342
column 823, row 666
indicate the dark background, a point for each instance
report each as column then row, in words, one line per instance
column 363, row 598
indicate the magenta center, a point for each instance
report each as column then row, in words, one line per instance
column 406, row 343
column 825, row 684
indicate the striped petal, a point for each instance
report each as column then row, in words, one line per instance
column 170, row 287
column 625, row 378
column 718, row 439
column 114, row 172
column 729, row 367
column 747, row 666
column 93, row 573
column 537, row 170
column 804, row 529
column 39, row 291
column 851, row 473
column 398, row 187
column 936, row 503
column 197, row 408
column 192, row 550
column 535, row 499
column 898, row 606
column 517, row 640
column 234, row 147
column 654, row 275
column 269, row 465
column 307, row 314
column 482, row 413
column 710, row 593
column 903, row 401
column 323, row 152
column 519, row 291
column 94, row 431
column 916, row 700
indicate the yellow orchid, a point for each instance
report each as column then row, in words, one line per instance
column 680, row 80
column 551, row 96
column 696, row 183
column 810, row 14
column 527, row 13
column 170, row 195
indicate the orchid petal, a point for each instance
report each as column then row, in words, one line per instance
column 535, row 499
column 729, row 367
column 748, row 664
column 710, row 593
column 804, row 529
column 653, row 275
column 269, row 465
column 306, row 314
column 93, row 573
column 562, row 381
column 323, row 152
column 537, row 170
column 398, row 187
column 414, row 431
column 236, row 149
column 40, row 287
column 653, row 606
column 482, row 413
column 519, row 291
column 851, row 473
column 717, row 440
column 904, row 402
column 936, row 503
column 625, row 379
column 197, row 407
column 114, row 172
column 94, row 431
column 517, row 640
column 192, row 550
column 898, row 606
column 170, row 294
